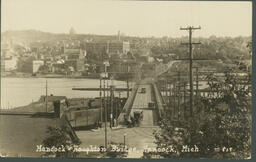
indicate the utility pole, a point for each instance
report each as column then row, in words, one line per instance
column 197, row 82
column 197, row 86
column 111, row 102
column 166, row 90
column 185, row 106
column 118, row 107
column 108, row 98
column 101, row 116
column 127, row 81
column 170, row 98
column 46, row 96
column 127, row 87
column 174, row 100
column 87, row 114
column 179, row 94
column 105, row 106
column 105, row 109
column 190, row 43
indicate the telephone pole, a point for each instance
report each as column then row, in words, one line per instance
column 174, row 100
column 46, row 96
column 184, row 100
column 105, row 108
column 190, row 43
column 197, row 83
column 127, row 81
column 111, row 102
column 106, row 63
column 101, row 116
column 178, row 95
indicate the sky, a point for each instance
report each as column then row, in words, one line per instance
column 133, row 18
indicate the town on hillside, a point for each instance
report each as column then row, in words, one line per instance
column 126, row 79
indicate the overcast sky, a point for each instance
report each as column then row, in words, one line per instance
column 135, row 18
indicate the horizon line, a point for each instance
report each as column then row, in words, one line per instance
column 67, row 33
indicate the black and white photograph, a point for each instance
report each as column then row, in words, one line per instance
column 126, row 79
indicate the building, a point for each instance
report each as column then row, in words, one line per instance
column 36, row 64
column 75, row 58
column 96, row 50
column 75, row 64
column 2, row 65
column 8, row 59
column 110, row 47
column 25, row 64
column 10, row 64
column 119, row 47
column 59, row 68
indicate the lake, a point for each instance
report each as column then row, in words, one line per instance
column 22, row 91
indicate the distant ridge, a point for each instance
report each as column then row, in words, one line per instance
column 32, row 35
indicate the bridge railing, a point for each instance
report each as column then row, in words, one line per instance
column 159, row 101
column 128, row 105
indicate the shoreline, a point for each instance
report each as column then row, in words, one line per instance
column 25, row 75
column 54, row 76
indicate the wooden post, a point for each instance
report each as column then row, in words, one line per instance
column 174, row 99
column 178, row 95
column 101, row 112
column 190, row 43
column 185, row 106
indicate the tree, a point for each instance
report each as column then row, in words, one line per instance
column 225, row 122
column 60, row 137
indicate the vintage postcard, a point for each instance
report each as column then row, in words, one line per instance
column 126, row 79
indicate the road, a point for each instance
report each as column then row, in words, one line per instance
column 136, row 137
column 141, row 102
column 140, row 137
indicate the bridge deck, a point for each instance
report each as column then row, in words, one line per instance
column 141, row 102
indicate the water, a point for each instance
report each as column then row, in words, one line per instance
column 22, row 91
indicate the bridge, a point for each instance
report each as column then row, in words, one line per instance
column 140, row 100
column 144, row 93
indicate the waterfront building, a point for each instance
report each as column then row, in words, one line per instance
column 58, row 68
column 25, row 64
column 8, row 59
column 36, row 65
column 74, row 57
column 10, row 64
